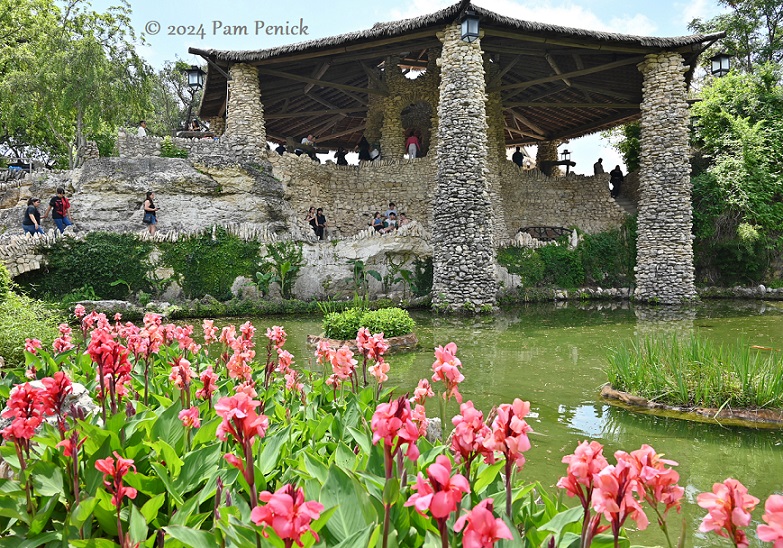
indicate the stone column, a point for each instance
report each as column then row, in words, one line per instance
column 664, row 257
column 245, row 131
column 217, row 124
column 392, row 132
column 547, row 152
column 463, row 252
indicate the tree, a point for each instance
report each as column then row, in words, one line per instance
column 76, row 76
column 754, row 31
column 171, row 98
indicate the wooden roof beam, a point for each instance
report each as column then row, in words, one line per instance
column 346, row 132
column 497, row 79
column 556, row 68
column 537, row 130
column 374, row 78
column 526, row 134
column 317, row 74
column 520, row 36
column 301, row 113
column 574, row 74
column 533, row 104
column 321, row 83
column 606, row 92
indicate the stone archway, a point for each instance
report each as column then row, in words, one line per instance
column 418, row 117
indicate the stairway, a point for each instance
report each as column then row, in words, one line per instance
column 626, row 204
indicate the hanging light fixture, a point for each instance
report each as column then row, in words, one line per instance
column 721, row 64
column 195, row 78
column 470, row 26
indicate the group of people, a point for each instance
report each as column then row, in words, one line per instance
column 616, row 177
column 389, row 221
column 59, row 206
column 317, row 221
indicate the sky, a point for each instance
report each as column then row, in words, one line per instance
column 170, row 27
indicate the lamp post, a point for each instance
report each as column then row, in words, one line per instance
column 565, row 156
column 721, row 64
column 195, row 82
column 470, row 26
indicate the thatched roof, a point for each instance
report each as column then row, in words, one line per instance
column 556, row 82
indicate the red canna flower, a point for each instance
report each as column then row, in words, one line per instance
column 393, row 423
column 483, row 529
column 26, row 407
column 728, row 506
column 287, row 513
column 113, row 472
column 71, row 445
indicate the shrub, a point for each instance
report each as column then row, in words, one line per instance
column 562, row 266
column 5, row 283
column 284, row 260
column 24, row 318
column 209, row 262
column 608, row 258
column 524, row 262
column 169, row 150
column 101, row 258
column 393, row 322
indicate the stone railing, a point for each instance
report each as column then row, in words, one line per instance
column 205, row 150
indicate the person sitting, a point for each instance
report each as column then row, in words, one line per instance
column 194, row 125
column 518, row 158
column 390, row 224
column 377, row 222
column 142, row 131
column 340, row 155
column 403, row 220
column 375, row 153
column 280, row 149
column 392, row 209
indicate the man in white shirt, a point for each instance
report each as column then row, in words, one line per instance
column 142, row 132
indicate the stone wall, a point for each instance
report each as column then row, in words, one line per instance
column 245, row 131
column 664, row 266
column 199, row 150
column 530, row 198
column 350, row 195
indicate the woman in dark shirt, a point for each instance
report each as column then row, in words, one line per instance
column 31, row 222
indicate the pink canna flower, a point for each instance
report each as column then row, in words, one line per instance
column 422, row 392
column 728, row 506
column 656, row 483
column 63, row 342
column 509, row 432
column 32, row 345
column 79, row 311
column 292, row 382
column 440, row 492
column 379, row 370
column 287, row 513
column 240, row 419
column 587, row 461
column 235, row 461
column 113, row 472
column 238, row 365
column 210, row 331
column 773, row 517
column 248, row 388
column 284, row 361
column 483, row 528
column 209, row 382
column 372, row 346
column 323, row 352
column 181, row 374
column 446, row 369
column 228, row 335
column 467, row 440
column 190, row 418
column 419, row 417
column 393, row 423
column 613, row 494
column 276, row 335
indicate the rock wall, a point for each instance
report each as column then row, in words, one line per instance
column 199, row 150
column 664, row 264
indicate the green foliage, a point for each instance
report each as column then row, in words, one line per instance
column 421, row 281
column 524, row 262
column 99, row 257
column 284, row 261
column 207, row 265
column 562, row 266
column 694, row 372
column 169, row 150
column 5, row 283
column 393, row 322
column 608, row 258
column 630, row 145
column 20, row 318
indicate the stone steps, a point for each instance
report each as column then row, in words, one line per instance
column 626, row 204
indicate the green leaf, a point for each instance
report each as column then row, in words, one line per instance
column 169, row 455
column 152, row 507
column 391, row 491
column 268, row 456
column 83, row 511
column 192, row 537
column 47, row 479
column 360, row 538
column 42, row 516
column 16, row 542
column 344, row 457
column 92, row 543
column 314, row 467
column 486, row 477
column 352, row 502
column 168, row 427
column 199, row 466
column 362, row 438
column 556, row 524
column 137, row 525
column 164, row 477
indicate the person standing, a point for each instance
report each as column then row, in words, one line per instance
column 598, row 167
column 340, row 156
column 142, row 131
column 616, row 179
column 518, row 158
column 320, row 224
column 412, row 145
column 364, row 149
column 31, row 221
column 150, row 212
column 60, row 207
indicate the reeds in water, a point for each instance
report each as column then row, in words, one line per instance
column 694, row 372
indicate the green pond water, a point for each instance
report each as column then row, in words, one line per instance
column 554, row 357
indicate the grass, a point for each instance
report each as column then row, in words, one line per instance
column 694, row 372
